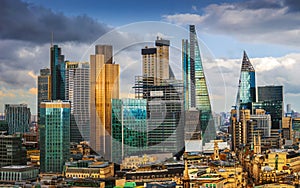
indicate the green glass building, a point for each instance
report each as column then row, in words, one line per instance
column 54, row 130
column 195, row 88
column 129, row 128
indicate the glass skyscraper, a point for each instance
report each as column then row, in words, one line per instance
column 195, row 88
column 247, row 85
column 54, row 137
column 18, row 118
column 57, row 63
column 78, row 92
column 129, row 128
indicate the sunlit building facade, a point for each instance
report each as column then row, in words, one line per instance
column 104, row 86
column 44, row 88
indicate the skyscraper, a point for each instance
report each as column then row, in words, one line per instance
column 129, row 128
column 195, row 88
column 17, row 117
column 156, row 61
column 44, row 88
column 247, row 85
column 270, row 98
column 104, row 85
column 57, row 63
column 54, row 135
column 78, row 92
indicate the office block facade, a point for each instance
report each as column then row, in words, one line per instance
column 104, row 86
column 129, row 128
column 57, row 63
column 54, row 130
column 165, row 113
column 78, row 92
column 270, row 98
column 18, row 118
column 195, row 88
column 44, row 88
column 11, row 150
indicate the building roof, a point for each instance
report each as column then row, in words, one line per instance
column 246, row 64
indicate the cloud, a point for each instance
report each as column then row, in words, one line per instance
column 33, row 91
column 23, row 21
column 271, row 21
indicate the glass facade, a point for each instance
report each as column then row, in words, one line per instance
column 247, row 85
column 18, row 118
column 129, row 128
column 196, row 93
column 54, row 135
column 57, row 63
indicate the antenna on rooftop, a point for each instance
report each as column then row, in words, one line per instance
column 52, row 39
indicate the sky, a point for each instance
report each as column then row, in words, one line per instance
column 268, row 30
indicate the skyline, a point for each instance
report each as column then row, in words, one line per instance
column 25, row 44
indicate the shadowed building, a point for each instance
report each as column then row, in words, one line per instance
column 18, row 118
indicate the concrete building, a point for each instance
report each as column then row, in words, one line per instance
column 78, row 92
column 12, row 174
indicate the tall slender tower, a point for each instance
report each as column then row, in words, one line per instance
column 104, row 85
column 57, row 63
column 247, row 86
column 78, row 92
column 195, row 88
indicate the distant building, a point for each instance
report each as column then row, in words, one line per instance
column 104, row 86
column 17, row 117
column 44, row 88
column 11, row 150
column 54, row 135
column 57, row 63
column 129, row 128
column 78, row 92
column 12, row 174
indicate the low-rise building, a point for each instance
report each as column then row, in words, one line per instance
column 9, row 174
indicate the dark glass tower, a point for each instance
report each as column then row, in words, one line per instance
column 57, row 63
column 195, row 88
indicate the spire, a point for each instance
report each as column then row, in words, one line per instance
column 186, row 177
column 52, row 39
column 246, row 64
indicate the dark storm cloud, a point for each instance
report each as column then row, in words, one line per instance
column 22, row 21
column 293, row 5
column 259, row 4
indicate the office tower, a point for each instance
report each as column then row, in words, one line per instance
column 104, row 86
column 44, row 88
column 54, row 135
column 287, row 128
column 3, row 126
column 270, row 98
column 195, row 88
column 129, row 128
column 57, row 63
column 296, row 128
column 156, row 61
column 239, row 128
column 17, row 117
column 78, row 92
column 247, row 85
column 164, row 113
column 11, row 150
